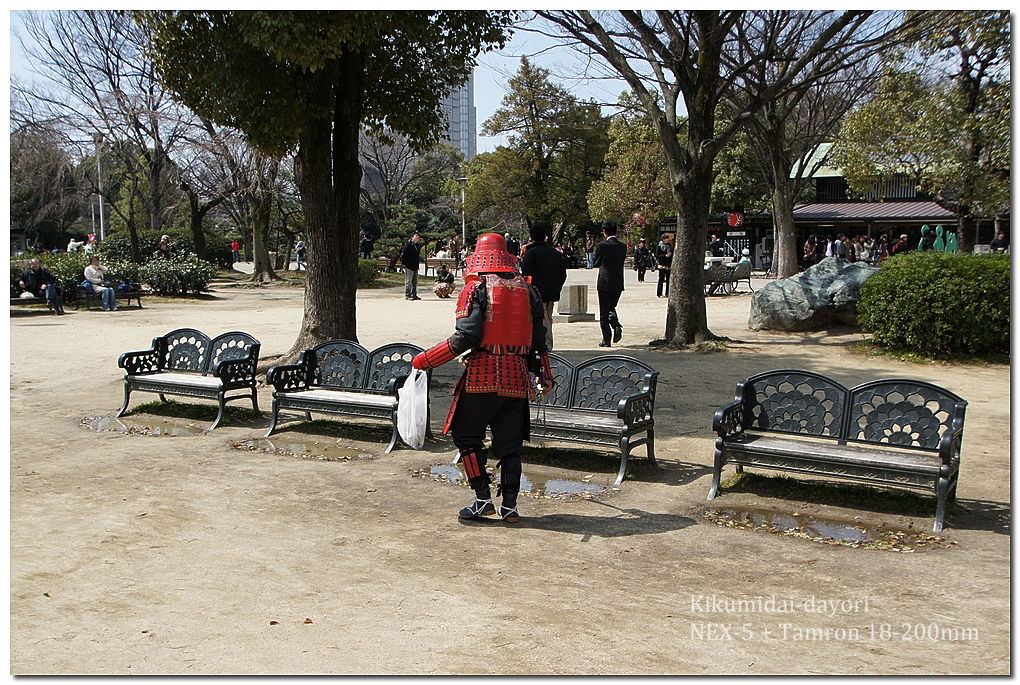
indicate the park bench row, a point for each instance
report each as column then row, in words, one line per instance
column 892, row 432
column 607, row 401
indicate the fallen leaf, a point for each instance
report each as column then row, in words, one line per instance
column 274, row 623
column 308, row 620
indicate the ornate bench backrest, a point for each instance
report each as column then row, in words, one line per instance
column 901, row 412
column 563, row 376
column 601, row 383
column 388, row 362
column 340, row 364
column 184, row 349
column 794, row 402
column 231, row 345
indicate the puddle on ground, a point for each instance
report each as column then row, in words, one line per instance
column 135, row 426
column 323, row 451
column 534, row 481
column 828, row 531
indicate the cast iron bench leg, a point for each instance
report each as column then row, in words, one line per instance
column 219, row 414
column 393, row 438
column 624, row 450
column 942, row 492
column 254, row 400
column 276, row 415
column 651, row 445
column 127, row 396
column 162, row 398
column 716, row 474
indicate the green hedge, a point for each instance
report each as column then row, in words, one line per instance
column 118, row 246
column 181, row 275
column 368, row 273
column 938, row 303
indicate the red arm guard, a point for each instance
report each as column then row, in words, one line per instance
column 437, row 355
column 548, row 374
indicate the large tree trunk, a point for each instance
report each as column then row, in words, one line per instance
column 686, row 318
column 784, row 256
column 965, row 233
column 328, row 174
column 263, row 206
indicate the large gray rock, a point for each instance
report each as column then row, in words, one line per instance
column 824, row 295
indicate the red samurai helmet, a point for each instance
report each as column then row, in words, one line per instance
column 490, row 257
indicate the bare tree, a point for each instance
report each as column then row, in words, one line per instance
column 99, row 83
column 697, row 60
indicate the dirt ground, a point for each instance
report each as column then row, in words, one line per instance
column 135, row 554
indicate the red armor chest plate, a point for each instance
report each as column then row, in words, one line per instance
column 508, row 312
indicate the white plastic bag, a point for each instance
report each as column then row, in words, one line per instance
column 413, row 408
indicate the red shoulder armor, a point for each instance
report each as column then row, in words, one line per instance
column 466, row 295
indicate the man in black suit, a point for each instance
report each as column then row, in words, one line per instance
column 609, row 256
column 544, row 264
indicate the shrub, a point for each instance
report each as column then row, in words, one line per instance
column 177, row 276
column 117, row 247
column 368, row 273
column 939, row 303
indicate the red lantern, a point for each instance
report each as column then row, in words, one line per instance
column 735, row 219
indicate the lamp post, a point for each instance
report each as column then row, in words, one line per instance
column 463, row 211
column 98, row 139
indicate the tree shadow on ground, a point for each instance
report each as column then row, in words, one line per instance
column 625, row 523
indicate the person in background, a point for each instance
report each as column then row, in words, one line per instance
column 664, row 260
column 745, row 256
column 410, row 257
column 235, row 248
column 902, row 246
column 1000, row 243
column 162, row 250
column 444, row 282
column 642, row 257
column 38, row 281
column 609, row 257
column 589, row 249
column 366, row 246
column 543, row 264
column 512, row 246
column 299, row 255
column 73, row 245
column 95, row 273
column 717, row 246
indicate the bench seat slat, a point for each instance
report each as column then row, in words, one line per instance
column 574, row 418
column 182, row 379
column 340, row 397
column 826, row 450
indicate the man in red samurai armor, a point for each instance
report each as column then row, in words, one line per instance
column 500, row 319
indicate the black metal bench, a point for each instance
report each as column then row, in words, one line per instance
column 895, row 432
column 186, row 362
column 125, row 290
column 342, row 377
column 603, row 401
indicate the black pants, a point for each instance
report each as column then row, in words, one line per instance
column 641, row 274
column 608, row 319
column 662, row 288
column 510, row 422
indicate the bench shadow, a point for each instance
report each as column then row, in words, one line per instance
column 626, row 523
column 964, row 514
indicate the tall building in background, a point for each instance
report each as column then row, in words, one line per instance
column 459, row 108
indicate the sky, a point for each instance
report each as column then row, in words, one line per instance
column 493, row 72
column 567, row 69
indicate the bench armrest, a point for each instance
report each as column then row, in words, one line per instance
column 236, row 371
column 290, row 377
column 138, row 363
column 952, row 439
column 637, row 409
column 729, row 419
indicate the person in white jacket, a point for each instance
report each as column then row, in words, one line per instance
column 94, row 274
